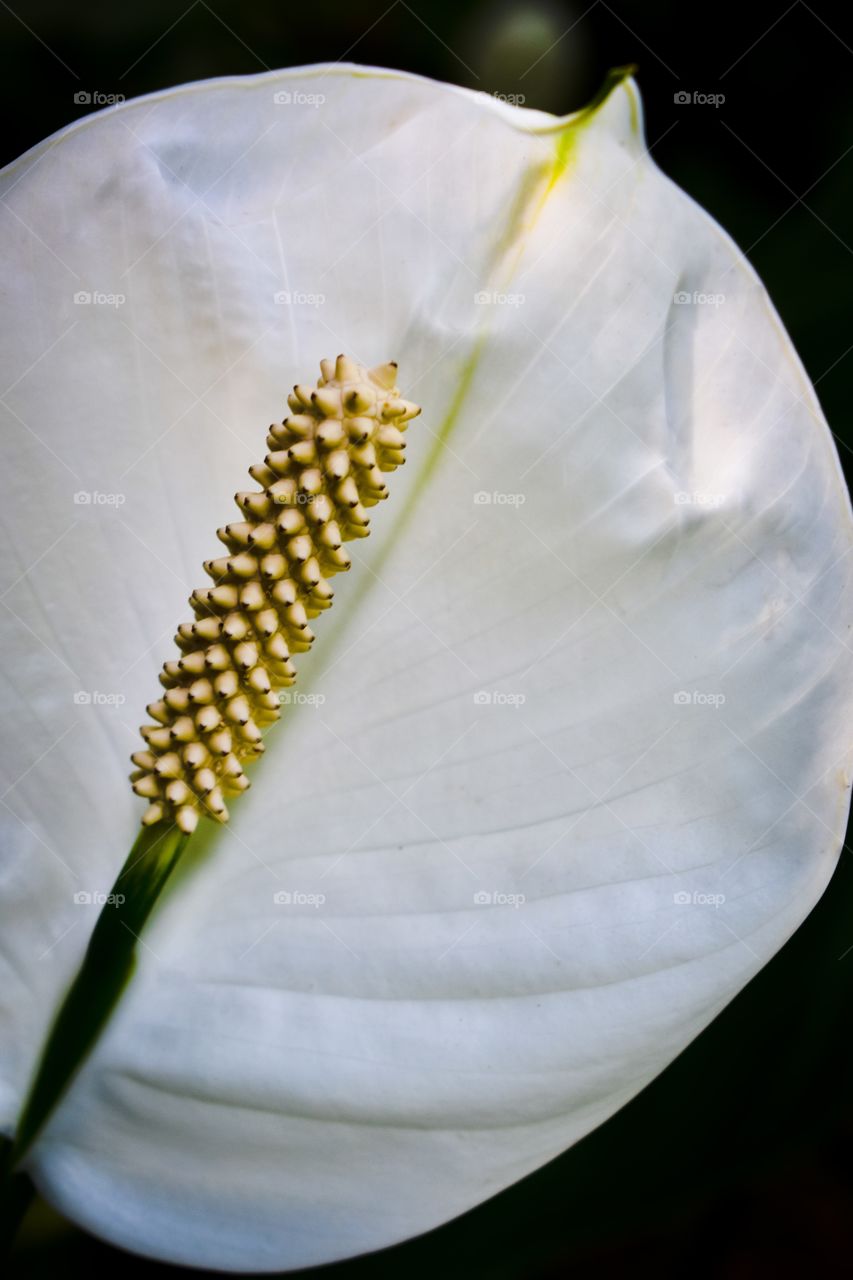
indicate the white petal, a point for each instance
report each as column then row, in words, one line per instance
column 288, row 1083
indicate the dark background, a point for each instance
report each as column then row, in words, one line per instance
column 738, row 1161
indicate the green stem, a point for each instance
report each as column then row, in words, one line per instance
column 107, row 966
column 19, row 1194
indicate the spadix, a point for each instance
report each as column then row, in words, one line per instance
column 325, row 467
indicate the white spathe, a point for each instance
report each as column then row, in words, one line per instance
column 575, row 762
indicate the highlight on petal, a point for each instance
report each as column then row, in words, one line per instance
column 573, row 760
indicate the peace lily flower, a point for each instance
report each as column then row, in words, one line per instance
column 570, row 760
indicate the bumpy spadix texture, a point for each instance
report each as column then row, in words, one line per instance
column 583, row 761
column 324, row 468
